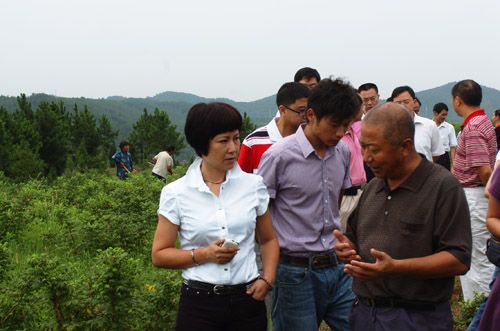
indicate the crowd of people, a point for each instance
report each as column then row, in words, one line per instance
column 341, row 209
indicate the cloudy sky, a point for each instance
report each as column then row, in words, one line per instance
column 242, row 50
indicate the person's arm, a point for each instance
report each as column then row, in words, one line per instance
column 438, row 265
column 487, row 186
column 165, row 254
column 453, row 152
column 437, row 148
column 493, row 216
column 484, row 174
column 269, row 249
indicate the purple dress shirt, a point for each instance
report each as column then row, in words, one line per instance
column 304, row 190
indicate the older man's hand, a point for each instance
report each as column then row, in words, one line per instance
column 344, row 248
column 384, row 265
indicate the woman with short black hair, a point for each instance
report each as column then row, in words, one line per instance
column 217, row 210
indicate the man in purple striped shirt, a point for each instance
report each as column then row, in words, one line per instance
column 305, row 174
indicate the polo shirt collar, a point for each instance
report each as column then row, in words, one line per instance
column 273, row 131
column 195, row 179
column 478, row 112
column 414, row 182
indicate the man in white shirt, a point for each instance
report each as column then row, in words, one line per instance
column 446, row 133
column 427, row 141
column 163, row 163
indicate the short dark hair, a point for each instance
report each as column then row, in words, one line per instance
column 418, row 101
column 497, row 112
column 170, row 148
column 469, row 91
column 206, row 120
column 290, row 92
column 367, row 86
column 306, row 73
column 123, row 143
column 439, row 107
column 334, row 98
column 402, row 89
column 396, row 120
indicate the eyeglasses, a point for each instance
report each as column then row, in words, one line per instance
column 372, row 99
column 300, row 110
column 403, row 102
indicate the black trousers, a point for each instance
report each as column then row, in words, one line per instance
column 203, row 311
column 444, row 160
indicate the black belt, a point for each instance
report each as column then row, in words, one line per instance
column 218, row 289
column 318, row 261
column 397, row 303
column 353, row 190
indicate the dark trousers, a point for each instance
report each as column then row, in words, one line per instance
column 365, row 318
column 202, row 311
column 444, row 160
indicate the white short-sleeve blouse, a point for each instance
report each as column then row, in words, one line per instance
column 203, row 217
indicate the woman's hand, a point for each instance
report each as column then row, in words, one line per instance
column 258, row 290
column 220, row 255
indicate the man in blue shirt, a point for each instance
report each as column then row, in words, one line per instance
column 123, row 160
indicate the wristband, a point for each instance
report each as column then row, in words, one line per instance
column 268, row 283
column 192, row 257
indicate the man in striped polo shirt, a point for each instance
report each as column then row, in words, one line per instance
column 291, row 100
column 474, row 161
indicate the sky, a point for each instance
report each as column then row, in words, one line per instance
column 243, row 50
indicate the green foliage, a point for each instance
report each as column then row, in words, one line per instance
column 151, row 133
column 247, row 127
column 75, row 254
column 466, row 310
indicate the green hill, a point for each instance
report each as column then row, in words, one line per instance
column 123, row 112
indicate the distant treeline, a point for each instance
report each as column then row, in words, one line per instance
column 51, row 140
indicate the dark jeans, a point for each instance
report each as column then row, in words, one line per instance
column 365, row 318
column 201, row 311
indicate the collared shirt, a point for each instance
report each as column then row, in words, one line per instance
column 203, row 217
column 126, row 159
column 356, row 168
column 426, row 214
column 255, row 144
column 163, row 162
column 427, row 139
column 304, row 190
column 477, row 146
column 447, row 135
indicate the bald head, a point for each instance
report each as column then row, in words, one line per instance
column 395, row 121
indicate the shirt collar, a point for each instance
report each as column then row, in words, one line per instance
column 478, row 112
column 306, row 147
column 195, row 179
column 417, row 119
column 273, row 131
column 414, row 182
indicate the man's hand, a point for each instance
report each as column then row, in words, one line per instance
column 344, row 248
column 384, row 265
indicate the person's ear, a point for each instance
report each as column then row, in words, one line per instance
column 407, row 146
column 281, row 109
column 310, row 116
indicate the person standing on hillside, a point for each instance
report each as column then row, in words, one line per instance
column 427, row 141
column 163, row 163
column 447, row 135
column 369, row 94
column 474, row 161
column 307, row 76
column 123, row 161
column 291, row 100
column 305, row 174
column 496, row 123
column 410, row 234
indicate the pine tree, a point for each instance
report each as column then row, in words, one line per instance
column 106, row 139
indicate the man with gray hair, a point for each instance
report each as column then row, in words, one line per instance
column 410, row 234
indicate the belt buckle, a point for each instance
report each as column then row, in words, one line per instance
column 217, row 288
